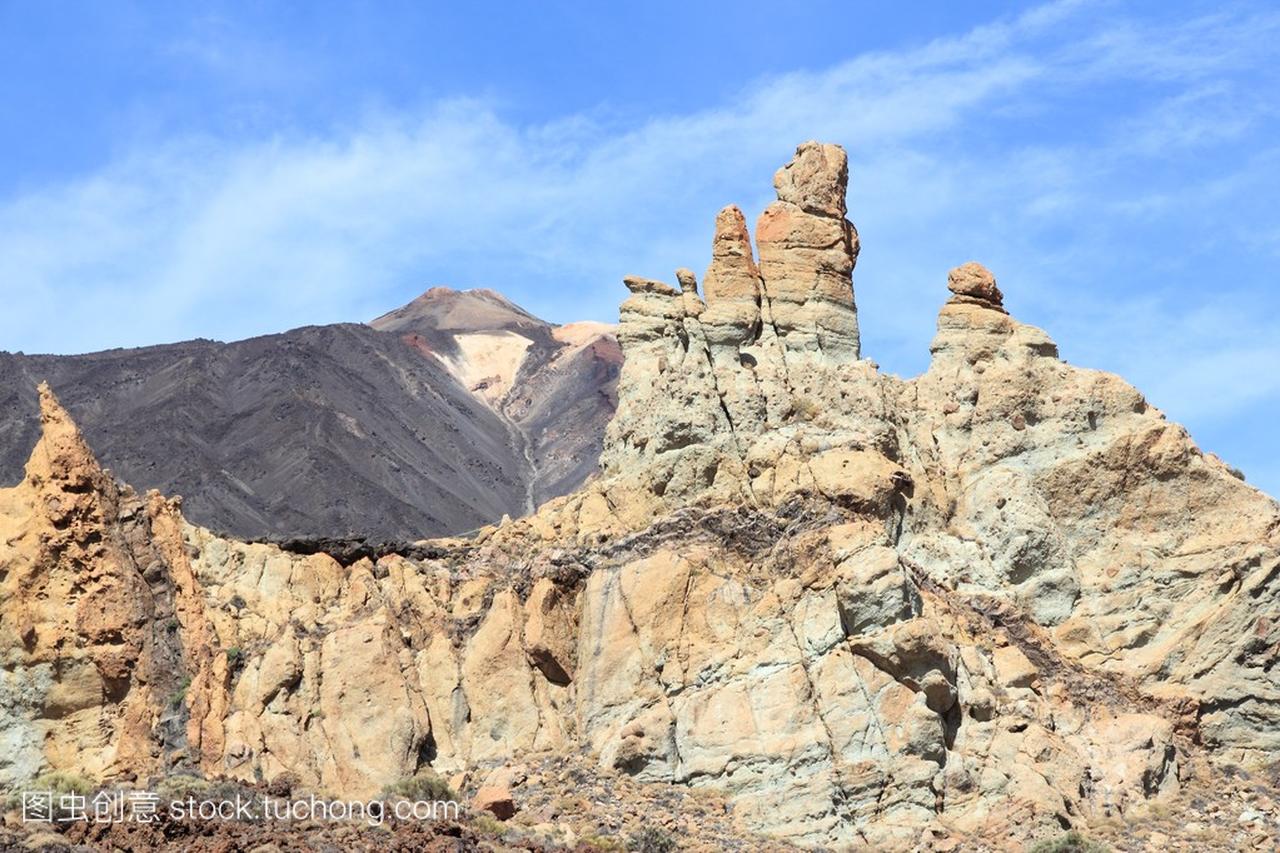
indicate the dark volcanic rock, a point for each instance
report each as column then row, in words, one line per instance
column 349, row 551
column 343, row 430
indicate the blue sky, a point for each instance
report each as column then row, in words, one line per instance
column 168, row 171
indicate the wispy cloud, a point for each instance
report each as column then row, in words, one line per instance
column 1112, row 170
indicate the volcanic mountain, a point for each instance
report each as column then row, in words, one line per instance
column 434, row 419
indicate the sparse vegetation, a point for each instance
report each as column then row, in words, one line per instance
column 61, row 782
column 179, row 787
column 57, row 782
column 179, row 696
column 425, row 786
column 486, row 824
column 651, row 839
column 1072, row 842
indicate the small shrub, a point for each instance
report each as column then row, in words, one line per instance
column 181, row 786
column 1072, row 842
column 179, row 696
column 55, row 781
column 603, row 843
column 234, row 654
column 424, row 787
column 61, row 782
column 486, row 824
column 651, row 839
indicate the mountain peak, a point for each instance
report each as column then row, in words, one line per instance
column 448, row 310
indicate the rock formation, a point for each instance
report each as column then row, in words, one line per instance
column 85, row 598
column 807, row 253
column 997, row 600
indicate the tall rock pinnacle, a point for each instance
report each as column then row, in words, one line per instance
column 61, row 456
column 774, row 344
column 739, row 347
column 732, row 283
column 807, row 253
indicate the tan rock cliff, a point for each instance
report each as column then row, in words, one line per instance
column 999, row 599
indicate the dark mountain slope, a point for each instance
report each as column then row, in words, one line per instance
column 558, row 395
column 327, row 430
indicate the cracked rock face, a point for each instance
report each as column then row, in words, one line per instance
column 999, row 599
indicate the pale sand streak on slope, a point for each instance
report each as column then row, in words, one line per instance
column 488, row 357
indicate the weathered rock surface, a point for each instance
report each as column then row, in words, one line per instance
column 1000, row 599
column 807, row 252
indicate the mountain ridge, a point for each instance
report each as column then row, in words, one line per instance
column 368, row 435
